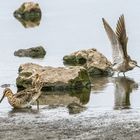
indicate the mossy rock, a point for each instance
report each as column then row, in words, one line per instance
column 35, row 52
column 95, row 62
column 54, row 79
column 29, row 14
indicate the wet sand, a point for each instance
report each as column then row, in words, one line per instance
column 58, row 124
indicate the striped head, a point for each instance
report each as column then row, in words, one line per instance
column 133, row 64
column 6, row 93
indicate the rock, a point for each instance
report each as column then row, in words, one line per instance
column 5, row 85
column 29, row 14
column 61, row 78
column 35, row 52
column 75, row 108
column 95, row 62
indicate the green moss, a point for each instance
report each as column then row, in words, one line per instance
column 31, row 16
column 24, row 15
column 81, row 60
column 94, row 72
column 37, row 52
column 69, row 60
column 81, row 81
column 83, row 95
column 74, row 60
column 24, row 83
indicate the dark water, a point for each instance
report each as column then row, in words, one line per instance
column 68, row 26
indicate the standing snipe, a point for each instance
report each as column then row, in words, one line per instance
column 121, row 60
column 24, row 98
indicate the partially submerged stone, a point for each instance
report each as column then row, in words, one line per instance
column 75, row 108
column 5, row 85
column 34, row 52
column 95, row 62
column 61, row 78
column 29, row 14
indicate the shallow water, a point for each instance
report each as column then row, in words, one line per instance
column 68, row 26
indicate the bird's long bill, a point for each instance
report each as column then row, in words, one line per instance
column 2, row 98
column 137, row 66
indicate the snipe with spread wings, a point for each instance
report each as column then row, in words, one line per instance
column 122, row 62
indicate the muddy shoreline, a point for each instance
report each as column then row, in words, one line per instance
column 58, row 124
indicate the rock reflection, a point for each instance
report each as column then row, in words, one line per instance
column 16, row 112
column 28, row 24
column 73, row 100
column 123, row 87
column 65, row 98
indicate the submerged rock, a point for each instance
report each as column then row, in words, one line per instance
column 75, row 108
column 61, row 78
column 35, row 52
column 5, row 85
column 95, row 62
column 29, row 14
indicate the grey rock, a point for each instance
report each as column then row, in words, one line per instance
column 35, row 52
column 5, row 85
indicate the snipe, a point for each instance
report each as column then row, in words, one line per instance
column 24, row 98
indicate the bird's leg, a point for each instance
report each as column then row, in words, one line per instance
column 118, row 74
column 37, row 101
column 29, row 107
column 124, row 74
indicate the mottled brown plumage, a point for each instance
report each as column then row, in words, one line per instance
column 121, row 60
column 24, row 98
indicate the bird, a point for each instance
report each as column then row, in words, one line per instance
column 122, row 62
column 24, row 98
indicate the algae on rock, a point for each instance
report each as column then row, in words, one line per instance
column 95, row 62
column 61, row 78
column 34, row 52
column 29, row 14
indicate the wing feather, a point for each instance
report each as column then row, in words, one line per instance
column 118, row 55
column 121, row 34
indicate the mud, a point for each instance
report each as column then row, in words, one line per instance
column 58, row 124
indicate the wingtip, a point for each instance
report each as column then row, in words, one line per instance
column 122, row 16
column 104, row 23
column 103, row 19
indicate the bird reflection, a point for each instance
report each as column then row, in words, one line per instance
column 123, row 87
column 99, row 83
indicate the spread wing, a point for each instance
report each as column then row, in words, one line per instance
column 121, row 34
column 118, row 55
